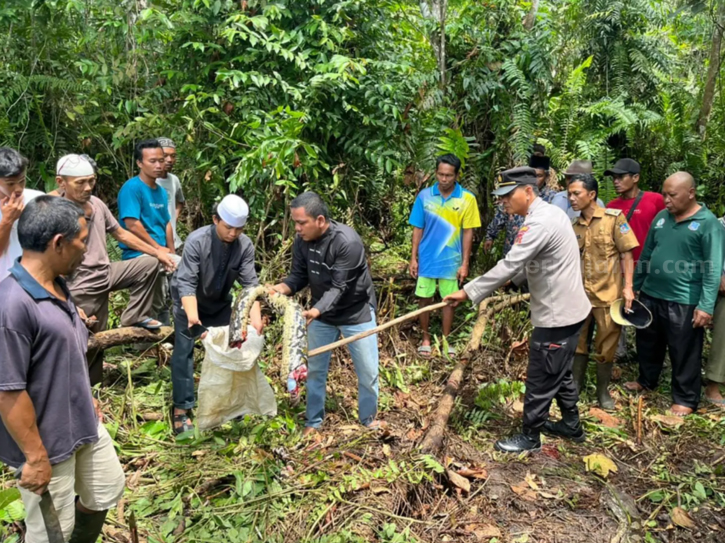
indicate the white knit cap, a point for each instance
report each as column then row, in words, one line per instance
column 74, row 166
column 233, row 211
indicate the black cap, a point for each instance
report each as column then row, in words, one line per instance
column 508, row 180
column 623, row 165
column 539, row 162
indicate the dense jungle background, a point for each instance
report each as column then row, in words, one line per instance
column 354, row 99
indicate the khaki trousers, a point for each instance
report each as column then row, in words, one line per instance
column 139, row 275
column 606, row 338
column 715, row 368
column 93, row 473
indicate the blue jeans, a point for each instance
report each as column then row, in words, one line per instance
column 182, row 364
column 364, row 357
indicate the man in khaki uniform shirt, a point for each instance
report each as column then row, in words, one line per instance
column 544, row 253
column 605, row 242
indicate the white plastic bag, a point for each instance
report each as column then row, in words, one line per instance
column 231, row 383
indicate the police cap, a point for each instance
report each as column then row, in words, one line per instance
column 508, row 180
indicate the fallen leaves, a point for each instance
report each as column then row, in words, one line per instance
column 475, row 473
column 671, row 421
column 682, row 518
column 605, row 418
column 523, row 490
column 459, row 481
column 483, row 532
column 600, row 464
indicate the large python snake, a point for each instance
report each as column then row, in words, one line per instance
column 294, row 336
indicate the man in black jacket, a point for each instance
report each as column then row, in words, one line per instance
column 330, row 258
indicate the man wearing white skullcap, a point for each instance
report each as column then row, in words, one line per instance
column 13, row 198
column 97, row 276
column 214, row 258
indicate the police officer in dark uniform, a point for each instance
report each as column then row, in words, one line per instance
column 545, row 253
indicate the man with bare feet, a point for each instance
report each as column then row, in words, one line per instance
column 678, row 277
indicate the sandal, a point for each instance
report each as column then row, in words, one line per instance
column 182, row 419
column 425, row 351
column 149, row 324
column 452, row 352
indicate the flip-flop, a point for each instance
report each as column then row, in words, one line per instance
column 451, row 352
column 720, row 403
column 425, row 351
column 147, row 323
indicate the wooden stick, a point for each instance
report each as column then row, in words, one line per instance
column 377, row 329
column 434, row 436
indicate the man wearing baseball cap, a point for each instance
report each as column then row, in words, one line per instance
column 545, row 253
column 214, row 258
column 561, row 199
column 96, row 277
column 639, row 208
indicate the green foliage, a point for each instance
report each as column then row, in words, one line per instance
column 341, row 96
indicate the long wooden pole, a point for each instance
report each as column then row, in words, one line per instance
column 380, row 328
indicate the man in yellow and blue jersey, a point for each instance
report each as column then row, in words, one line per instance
column 443, row 219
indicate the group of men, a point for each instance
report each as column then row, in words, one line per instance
column 57, row 272
column 578, row 258
column 587, row 267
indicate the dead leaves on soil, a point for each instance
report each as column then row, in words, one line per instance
column 682, row 518
column 605, row 418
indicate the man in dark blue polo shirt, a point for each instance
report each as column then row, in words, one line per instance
column 49, row 422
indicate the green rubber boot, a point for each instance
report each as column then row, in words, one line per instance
column 604, row 376
column 88, row 527
column 579, row 369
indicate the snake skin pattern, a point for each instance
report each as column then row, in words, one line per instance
column 294, row 336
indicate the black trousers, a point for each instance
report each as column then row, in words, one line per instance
column 549, row 376
column 672, row 330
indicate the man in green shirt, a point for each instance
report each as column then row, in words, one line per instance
column 678, row 276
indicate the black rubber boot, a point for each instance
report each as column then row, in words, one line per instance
column 88, row 527
column 569, row 427
column 604, row 376
column 579, row 369
column 527, row 441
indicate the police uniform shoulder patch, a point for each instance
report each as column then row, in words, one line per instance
column 613, row 212
column 624, row 228
column 520, row 235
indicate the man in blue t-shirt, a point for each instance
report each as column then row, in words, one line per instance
column 143, row 204
column 143, row 209
column 443, row 219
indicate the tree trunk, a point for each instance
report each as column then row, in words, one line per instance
column 713, row 70
column 127, row 335
column 437, row 10
column 530, row 18
column 433, row 438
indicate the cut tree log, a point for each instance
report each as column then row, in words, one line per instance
column 127, row 335
column 434, row 436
